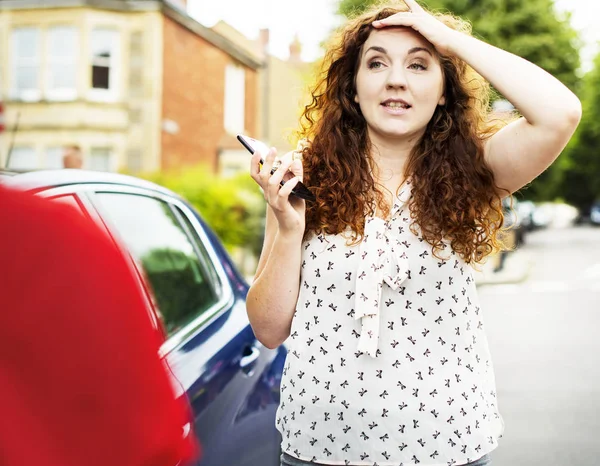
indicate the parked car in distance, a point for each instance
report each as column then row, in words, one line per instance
column 543, row 215
column 595, row 213
column 196, row 297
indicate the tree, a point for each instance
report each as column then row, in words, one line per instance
column 530, row 29
column 581, row 182
column 349, row 8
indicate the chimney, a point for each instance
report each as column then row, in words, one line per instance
column 295, row 50
column 263, row 42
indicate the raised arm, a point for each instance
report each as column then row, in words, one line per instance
column 522, row 150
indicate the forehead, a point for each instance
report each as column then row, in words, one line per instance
column 396, row 40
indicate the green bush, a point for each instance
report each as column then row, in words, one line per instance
column 233, row 207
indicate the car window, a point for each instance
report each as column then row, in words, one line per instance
column 183, row 281
column 68, row 199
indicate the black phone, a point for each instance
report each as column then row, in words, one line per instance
column 253, row 145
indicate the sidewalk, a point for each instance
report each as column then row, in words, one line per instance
column 516, row 269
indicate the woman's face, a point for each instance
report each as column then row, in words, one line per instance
column 399, row 84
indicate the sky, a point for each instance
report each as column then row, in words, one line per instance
column 585, row 18
column 312, row 20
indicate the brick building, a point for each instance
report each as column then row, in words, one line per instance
column 137, row 84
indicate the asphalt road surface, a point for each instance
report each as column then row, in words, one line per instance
column 544, row 335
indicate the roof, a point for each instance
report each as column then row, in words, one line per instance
column 46, row 179
column 169, row 9
column 237, row 37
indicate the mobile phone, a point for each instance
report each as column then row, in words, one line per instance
column 254, row 145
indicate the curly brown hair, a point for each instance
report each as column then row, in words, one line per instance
column 454, row 197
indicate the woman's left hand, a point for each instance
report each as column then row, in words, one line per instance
column 436, row 32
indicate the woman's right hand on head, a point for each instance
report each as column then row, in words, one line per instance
column 288, row 209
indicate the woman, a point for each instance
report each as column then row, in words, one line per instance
column 371, row 285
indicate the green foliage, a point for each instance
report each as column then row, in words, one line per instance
column 350, row 8
column 581, row 181
column 233, row 207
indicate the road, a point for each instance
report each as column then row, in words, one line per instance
column 543, row 336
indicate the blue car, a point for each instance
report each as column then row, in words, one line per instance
column 194, row 290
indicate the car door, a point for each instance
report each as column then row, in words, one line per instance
column 232, row 381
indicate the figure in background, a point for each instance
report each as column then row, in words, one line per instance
column 73, row 157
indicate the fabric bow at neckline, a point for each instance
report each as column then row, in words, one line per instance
column 382, row 261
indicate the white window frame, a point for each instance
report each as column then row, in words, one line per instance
column 53, row 151
column 112, row 93
column 33, row 94
column 232, row 162
column 61, row 93
column 235, row 99
column 33, row 151
column 111, row 157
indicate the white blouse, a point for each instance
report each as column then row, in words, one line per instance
column 388, row 362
